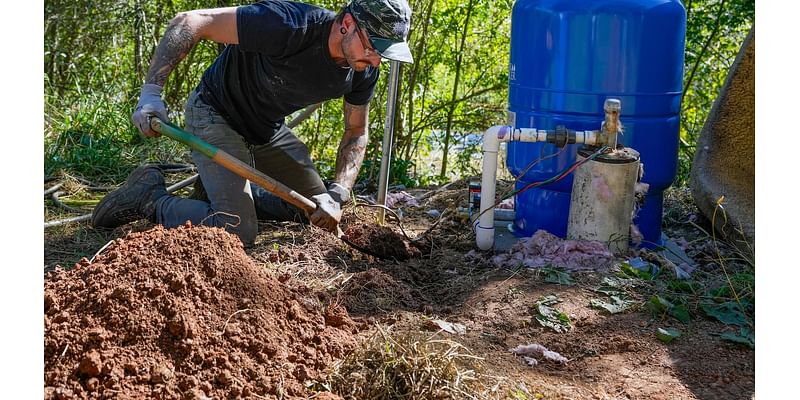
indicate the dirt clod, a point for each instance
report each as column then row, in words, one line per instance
column 382, row 241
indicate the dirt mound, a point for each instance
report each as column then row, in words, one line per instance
column 184, row 314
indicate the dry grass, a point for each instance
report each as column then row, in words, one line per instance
column 410, row 366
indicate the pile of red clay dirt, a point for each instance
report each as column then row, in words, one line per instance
column 185, row 314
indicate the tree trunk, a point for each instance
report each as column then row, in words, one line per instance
column 424, row 95
column 404, row 143
column 138, row 29
column 452, row 109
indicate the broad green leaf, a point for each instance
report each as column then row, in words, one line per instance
column 728, row 313
column 638, row 268
column 555, row 320
column 745, row 336
column 683, row 286
column 551, row 317
column 680, row 313
column 667, row 335
column 661, row 307
column 558, row 277
column 617, row 305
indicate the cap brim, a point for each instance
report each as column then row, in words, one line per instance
column 397, row 51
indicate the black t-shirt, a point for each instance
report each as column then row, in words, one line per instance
column 281, row 64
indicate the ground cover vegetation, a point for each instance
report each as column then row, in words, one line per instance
column 636, row 331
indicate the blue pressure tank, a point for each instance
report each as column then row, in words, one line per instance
column 566, row 58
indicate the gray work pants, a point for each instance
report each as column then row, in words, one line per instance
column 233, row 203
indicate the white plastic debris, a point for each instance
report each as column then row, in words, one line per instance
column 450, row 327
column 532, row 362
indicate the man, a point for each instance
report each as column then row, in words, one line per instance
column 281, row 56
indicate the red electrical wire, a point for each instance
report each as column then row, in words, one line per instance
column 554, row 179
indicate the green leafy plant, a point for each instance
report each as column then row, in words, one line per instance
column 746, row 336
column 715, row 30
column 667, row 335
column 558, row 276
column 727, row 313
column 550, row 317
column 661, row 308
column 684, row 286
column 400, row 172
column 618, row 304
column 638, row 268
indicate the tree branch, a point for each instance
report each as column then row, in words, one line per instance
column 703, row 51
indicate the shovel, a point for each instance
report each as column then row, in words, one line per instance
column 244, row 170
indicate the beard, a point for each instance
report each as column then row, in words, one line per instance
column 353, row 60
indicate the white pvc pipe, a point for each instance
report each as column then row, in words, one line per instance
column 484, row 228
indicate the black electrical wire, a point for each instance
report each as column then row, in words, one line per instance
column 534, row 162
column 561, row 175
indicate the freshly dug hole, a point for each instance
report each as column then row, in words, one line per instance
column 382, row 241
column 184, row 313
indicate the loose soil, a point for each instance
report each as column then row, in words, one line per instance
column 184, row 313
column 187, row 313
column 381, row 241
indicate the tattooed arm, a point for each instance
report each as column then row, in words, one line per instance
column 348, row 161
column 353, row 145
column 184, row 31
column 182, row 34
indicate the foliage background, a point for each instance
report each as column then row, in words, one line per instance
column 97, row 52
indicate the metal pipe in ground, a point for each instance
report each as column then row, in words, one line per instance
column 388, row 132
column 602, row 199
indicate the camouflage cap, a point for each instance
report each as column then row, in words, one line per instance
column 387, row 23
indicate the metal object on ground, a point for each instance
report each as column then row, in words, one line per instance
column 386, row 158
column 602, row 199
column 474, row 188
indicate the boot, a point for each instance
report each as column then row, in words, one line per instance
column 133, row 201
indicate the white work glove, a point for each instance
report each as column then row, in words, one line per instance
column 150, row 105
column 328, row 212
column 339, row 193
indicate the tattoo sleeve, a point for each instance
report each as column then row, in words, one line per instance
column 353, row 145
column 177, row 42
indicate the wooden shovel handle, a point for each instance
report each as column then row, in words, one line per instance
column 234, row 165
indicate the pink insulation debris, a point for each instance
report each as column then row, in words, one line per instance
column 507, row 204
column 544, row 248
column 536, row 349
column 395, row 199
